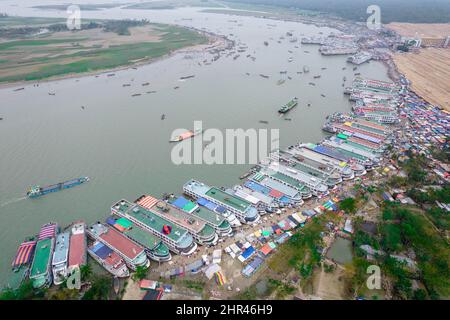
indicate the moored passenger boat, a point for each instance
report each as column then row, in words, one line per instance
column 60, row 257
column 21, row 263
column 178, row 239
column 203, row 233
column 133, row 254
column 108, row 259
column 243, row 209
column 41, row 272
column 78, row 246
column 153, row 246
column 215, row 220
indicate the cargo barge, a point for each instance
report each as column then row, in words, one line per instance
column 37, row 191
column 288, row 106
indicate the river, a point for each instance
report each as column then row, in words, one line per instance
column 121, row 142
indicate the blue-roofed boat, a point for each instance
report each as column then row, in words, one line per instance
column 108, row 259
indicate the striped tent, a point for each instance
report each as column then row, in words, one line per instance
column 47, row 231
column 147, row 201
column 24, row 254
column 220, row 279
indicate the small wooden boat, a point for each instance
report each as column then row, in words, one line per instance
column 116, row 284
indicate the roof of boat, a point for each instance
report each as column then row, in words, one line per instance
column 150, row 219
column 229, row 199
column 47, row 231
column 105, row 253
column 133, row 231
column 42, row 257
column 117, row 240
column 77, row 249
column 24, row 253
column 198, row 211
column 173, row 214
column 61, row 248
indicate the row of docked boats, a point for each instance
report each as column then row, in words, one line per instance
column 50, row 256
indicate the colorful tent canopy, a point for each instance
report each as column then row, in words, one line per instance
column 125, row 223
column 47, row 231
column 220, row 279
column 24, row 253
column 266, row 249
column 147, row 201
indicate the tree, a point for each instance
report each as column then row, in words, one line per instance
column 140, row 273
column 348, row 204
column 85, row 272
column 23, row 292
column 99, row 290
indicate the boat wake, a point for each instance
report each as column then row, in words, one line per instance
column 12, row 201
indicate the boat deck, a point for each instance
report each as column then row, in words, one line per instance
column 127, row 247
column 61, row 248
column 77, row 251
column 149, row 219
column 42, row 257
column 177, row 216
column 229, row 199
column 198, row 211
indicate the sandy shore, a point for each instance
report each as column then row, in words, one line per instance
column 429, row 73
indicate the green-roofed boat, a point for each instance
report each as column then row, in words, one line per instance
column 41, row 273
column 154, row 248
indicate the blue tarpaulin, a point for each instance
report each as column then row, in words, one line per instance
column 101, row 250
column 248, row 252
column 180, row 202
column 111, row 221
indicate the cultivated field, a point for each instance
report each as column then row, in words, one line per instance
column 429, row 72
column 424, row 30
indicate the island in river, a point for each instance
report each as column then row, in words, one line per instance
column 48, row 49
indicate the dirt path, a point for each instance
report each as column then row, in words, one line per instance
column 132, row 291
column 330, row 286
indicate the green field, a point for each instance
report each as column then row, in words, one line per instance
column 49, row 56
column 29, row 21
